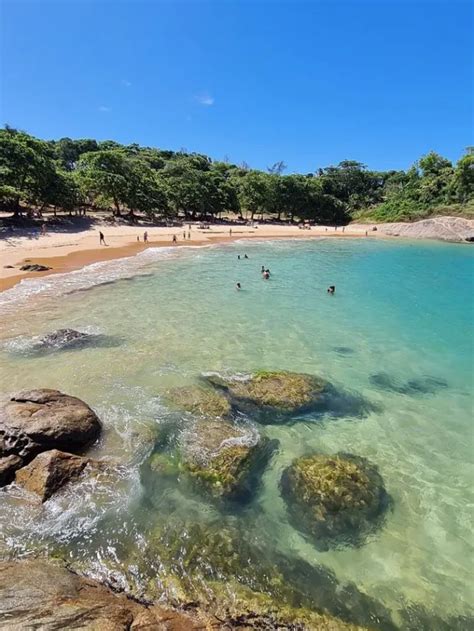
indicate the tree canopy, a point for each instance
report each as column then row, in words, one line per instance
column 130, row 179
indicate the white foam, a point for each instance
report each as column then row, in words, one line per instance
column 84, row 278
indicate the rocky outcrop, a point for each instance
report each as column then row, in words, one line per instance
column 336, row 500
column 38, row 420
column 40, row 595
column 8, row 466
column 456, row 229
column 411, row 387
column 267, row 394
column 50, row 470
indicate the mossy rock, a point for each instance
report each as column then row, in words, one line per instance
column 199, row 401
column 224, row 459
column 336, row 500
column 272, row 393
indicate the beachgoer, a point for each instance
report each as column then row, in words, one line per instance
column 237, row 286
column 189, row 235
column 331, row 289
column 174, row 238
column 238, row 256
column 266, row 275
column 366, row 233
column 263, row 269
column 267, row 271
column 138, row 237
column 343, row 228
column 101, row 239
column 43, row 228
column 145, row 236
column 245, row 256
column 230, row 232
column 184, row 236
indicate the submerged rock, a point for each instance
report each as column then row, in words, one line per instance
column 218, row 457
column 64, row 337
column 38, row 420
column 272, row 392
column 8, row 466
column 336, row 500
column 199, row 400
column 225, row 459
column 50, row 470
column 412, row 387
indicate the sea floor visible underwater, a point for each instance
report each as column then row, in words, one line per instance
column 397, row 337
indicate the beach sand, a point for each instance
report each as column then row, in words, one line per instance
column 64, row 252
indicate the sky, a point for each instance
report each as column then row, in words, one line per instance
column 310, row 83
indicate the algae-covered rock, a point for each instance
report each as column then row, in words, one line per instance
column 336, row 500
column 272, row 392
column 223, row 458
column 199, row 400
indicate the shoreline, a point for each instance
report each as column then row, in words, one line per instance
column 66, row 252
column 64, row 256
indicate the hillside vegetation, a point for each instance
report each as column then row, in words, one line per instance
column 80, row 175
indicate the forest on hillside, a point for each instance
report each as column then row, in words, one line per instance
column 131, row 180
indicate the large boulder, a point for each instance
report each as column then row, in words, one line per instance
column 199, row 401
column 38, row 420
column 50, row 470
column 272, row 393
column 8, row 466
column 335, row 500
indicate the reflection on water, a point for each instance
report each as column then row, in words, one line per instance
column 395, row 339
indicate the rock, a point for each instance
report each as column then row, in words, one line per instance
column 336, row 500
column 50, row 470
column 412, row 387
column 34, row 267
column 218, row 457
column 225, row 459
column 38, row 420
column 37, row 594
column 8, row 466
column 199, row 400
column 469, row 239
column 272, row 393
column 455, row 229
column 8, row 267
column 64, row 337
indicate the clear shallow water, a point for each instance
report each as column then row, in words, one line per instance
column 402, row 309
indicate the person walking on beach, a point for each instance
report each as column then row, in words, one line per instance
column 184, row 235
column 145, row 236
column 102, row 239
column 189, row 235
column 43, row 229
column 230, row 232
column 174, row 238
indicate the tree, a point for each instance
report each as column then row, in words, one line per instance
column 463, row 180
column 104, row 177
column 253, row 192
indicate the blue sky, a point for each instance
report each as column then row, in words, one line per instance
column 310, row 83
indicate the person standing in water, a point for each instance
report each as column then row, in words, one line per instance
column 262, row 271
column 102, row 239
column 331, row 289
column 266, row 275
column 237, row 286
column 245, row 256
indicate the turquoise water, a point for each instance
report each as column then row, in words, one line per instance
column 401, row 309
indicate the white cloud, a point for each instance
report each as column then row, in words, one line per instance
column 125, row 83
column 205, row 99
column 104, row 108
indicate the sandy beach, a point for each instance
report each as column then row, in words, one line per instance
column 67, row 251
column 64, row 252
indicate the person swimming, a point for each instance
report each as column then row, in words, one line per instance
column 245, row 256
column 238, row 286
column 331, row 289
column 266, row 274
column 262, row 271
column 267, row 271
column 238, row 256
